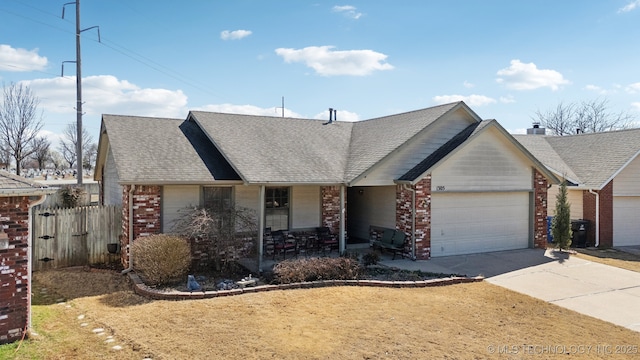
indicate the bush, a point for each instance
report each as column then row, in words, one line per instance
column 312, row 269
column 71, row 196
column 370, row 258
column 161, row 258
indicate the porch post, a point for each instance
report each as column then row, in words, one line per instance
column 341, row 241
column 261, row 226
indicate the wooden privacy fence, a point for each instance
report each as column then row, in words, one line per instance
column 74, row 236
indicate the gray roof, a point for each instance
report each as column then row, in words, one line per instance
column 279, row 150
column 210, row 147
column 374, row 139
column 159, row 150
column 592, row 159
column 14, row 185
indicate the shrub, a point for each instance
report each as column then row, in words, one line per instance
column 161, row 258
column 71, row 196
column 370, row 258
column 312, row 269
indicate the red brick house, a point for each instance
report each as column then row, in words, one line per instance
column 17, row 196
column 453, row 183
column 602, row 171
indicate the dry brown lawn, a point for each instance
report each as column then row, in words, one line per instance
column 611, row 257
column 465, row 321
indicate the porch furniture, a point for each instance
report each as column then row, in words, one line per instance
column 283, row 243
column 392, row 240
column 326, row 240
column 267, row 242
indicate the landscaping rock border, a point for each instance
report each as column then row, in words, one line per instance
column 141, row 289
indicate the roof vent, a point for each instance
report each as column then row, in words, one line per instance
column 333, row 116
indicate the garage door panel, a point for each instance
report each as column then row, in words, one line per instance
column 479, row 222
column 626, row 220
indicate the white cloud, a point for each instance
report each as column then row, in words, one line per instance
column 471, row 100
column 521, row 76
column 16, row 60
column 348, row 11
column 636, row 106
column 234, row 35
column 630, row 6
column 341, row 115
column 507, row 99
column 519, row 131
column 596, row 88
column 328, row 62
column 468, row 85
column 248, row 110
column 633, row 88
column 105, row 94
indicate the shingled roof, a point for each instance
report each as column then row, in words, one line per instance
column 162, row 151
column 209, row 147
column 14, row 185
column 589, row 160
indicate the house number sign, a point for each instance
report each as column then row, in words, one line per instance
column 440, row 188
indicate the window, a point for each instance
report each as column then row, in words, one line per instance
column 277, row 208
column 216, row 198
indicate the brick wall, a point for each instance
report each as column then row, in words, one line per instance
column 331, row 207
column 606, row 215
column 540, row 210
column 404, row 207
column 146, row 214
column 14, row 291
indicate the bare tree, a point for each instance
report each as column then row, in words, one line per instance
column 42, row 155
column 57, row 159
column 588, row 116
column 68, row 143
column 89, row 156
column 19, row 122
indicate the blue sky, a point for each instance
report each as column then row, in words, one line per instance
column 505, row 59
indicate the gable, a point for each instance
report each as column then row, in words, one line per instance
column 626, row 183
column 488, row 161
column 434, row 131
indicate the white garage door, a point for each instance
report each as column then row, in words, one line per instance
column 478, row 222
column 626, row 220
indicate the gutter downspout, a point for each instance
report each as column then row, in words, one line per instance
column 129, row 247
column 413, row 220
column 597, row 216
column 30, row 254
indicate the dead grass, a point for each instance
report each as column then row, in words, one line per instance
column 613, row 257
column 464, row 321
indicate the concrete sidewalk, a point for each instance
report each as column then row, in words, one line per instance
column 601, row 291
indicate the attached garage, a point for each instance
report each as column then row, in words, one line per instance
column 626, row 220
column 465, row 223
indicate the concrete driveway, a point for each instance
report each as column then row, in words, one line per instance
column 601, row 291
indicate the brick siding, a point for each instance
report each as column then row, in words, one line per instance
column 331, row 207
column 606, row 215
column 404, row 207
column 540, row 210
column 14, row 271
column 146, row 215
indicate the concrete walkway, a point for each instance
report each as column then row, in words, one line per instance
column 601, row 291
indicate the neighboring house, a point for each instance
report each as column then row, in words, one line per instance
column 602, row 171
column 453, row 183
column 17, row 196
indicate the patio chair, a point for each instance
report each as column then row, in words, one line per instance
column 326, row 240
column 267, row 242
column 283, row 243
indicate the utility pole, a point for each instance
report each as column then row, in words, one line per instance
column 78, row 88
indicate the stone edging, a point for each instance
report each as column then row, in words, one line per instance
column 141, row 289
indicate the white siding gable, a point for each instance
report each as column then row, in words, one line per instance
column 416, row 150
column 112, row 190
column 627, row 182
column 489, row 162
